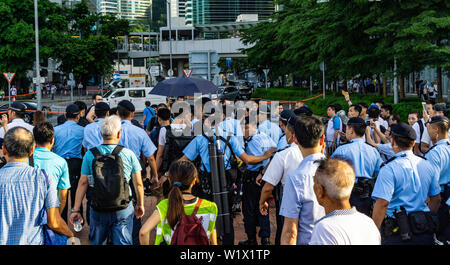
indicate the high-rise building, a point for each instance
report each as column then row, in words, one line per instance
column 220, row 11
column 134, row 9
column 107, row 7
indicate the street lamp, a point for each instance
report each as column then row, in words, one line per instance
column 38, row 74
column 170, row 33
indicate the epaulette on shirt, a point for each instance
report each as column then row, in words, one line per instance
column 429, row 150
column 370, row 145
column 390, row 160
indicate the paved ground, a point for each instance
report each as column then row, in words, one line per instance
column 150, row 203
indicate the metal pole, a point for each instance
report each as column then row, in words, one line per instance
column 170, row 32
column 310, row 85
column 395, row 82
column 9, row 94
column 323, row 81
column 38, row 74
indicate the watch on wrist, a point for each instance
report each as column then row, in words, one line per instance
column 74, row 211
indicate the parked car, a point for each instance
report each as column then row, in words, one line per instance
column 31, row 107
column 136, row 95
column 245, row 93
column 228, row 92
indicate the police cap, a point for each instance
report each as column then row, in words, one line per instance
column 403, row 130
column 127, row 105
column 18, row 106
column 285, row 115
column 303, row 110
column 438, row 119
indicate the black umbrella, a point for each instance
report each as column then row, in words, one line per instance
column 182, row 86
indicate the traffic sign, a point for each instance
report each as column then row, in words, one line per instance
column 170, row 72
column 187, row 72
column 9, row 76
column 42, row 80
column 116, row 77
column 154, row 70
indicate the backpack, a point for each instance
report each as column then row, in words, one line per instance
column 111, row 191
column 189, row 231
column 174, row 148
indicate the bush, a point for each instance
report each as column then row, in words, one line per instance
column 318, row 105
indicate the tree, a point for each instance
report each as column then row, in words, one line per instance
column 17, row 45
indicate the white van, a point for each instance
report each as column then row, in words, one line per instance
column 136, row 95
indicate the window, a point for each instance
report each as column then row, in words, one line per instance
column 118, row 94
column 137, row 93
column 230, row 89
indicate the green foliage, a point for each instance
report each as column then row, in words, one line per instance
column 357, row 37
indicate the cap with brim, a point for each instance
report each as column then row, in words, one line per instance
column 127, row 105
column 17, row 106
column 436, row 119
column 285, row 115
column 73, row 109
column 374, row 106
column 102, row 106
column 303, row 111
column 403, row 130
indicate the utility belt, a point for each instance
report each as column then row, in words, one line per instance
column 250, row 176
column 363, row 187
column 408, row 225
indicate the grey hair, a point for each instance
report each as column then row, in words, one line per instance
column 337, row 177
column 19, row 142
column 110, row 126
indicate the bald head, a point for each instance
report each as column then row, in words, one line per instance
column 18, row 142
column 336, row 177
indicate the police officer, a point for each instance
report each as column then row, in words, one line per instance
column 366, row 161
column 267, row 126
column 229, row 125
column 275, row 173
column 199, row 146
column 92, row 137
column 137, row 140
column 256, row 144
column 439, row 156
column 401, row 192
column 68, row 139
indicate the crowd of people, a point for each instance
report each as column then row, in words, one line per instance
column 361, row 177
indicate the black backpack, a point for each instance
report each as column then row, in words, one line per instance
column 174, row 147
column 111, row 191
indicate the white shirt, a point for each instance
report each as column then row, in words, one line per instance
column 16, row 123
column 345, row 227
column 416, row 128
column 162, row 132
column 426, row 138
column 282, row 164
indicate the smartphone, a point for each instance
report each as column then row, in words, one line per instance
column 424, row 106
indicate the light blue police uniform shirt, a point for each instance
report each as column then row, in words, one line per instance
column 136, row 139
column 271, row 129
column 200, row 146
column 406, row 181
column 257, row 146
column 299, row 200
column 24, row 193
column 92, row 136
column 131, row 163
column 68, row 140
column 439, row 156
column 233, row 127
column 282, row 144
column 366, row 159
column 55, row 166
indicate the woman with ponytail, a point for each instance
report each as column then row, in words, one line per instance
column 168, row 213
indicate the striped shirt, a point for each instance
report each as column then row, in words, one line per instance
column 207, row 210
column 24, row 193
